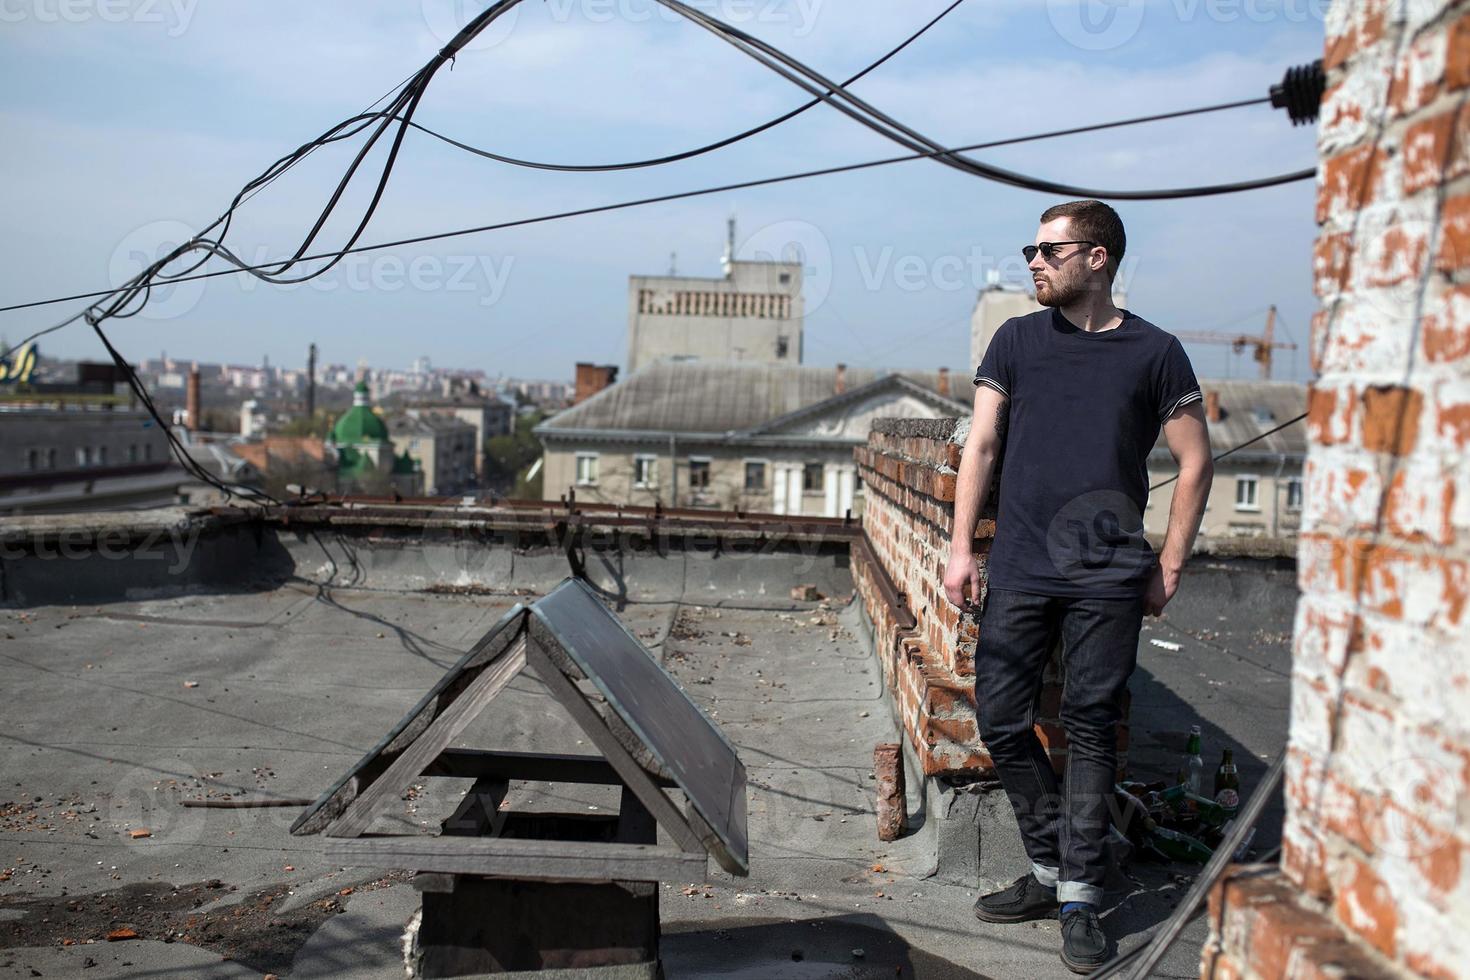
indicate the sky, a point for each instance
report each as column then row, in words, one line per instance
column 131, row 123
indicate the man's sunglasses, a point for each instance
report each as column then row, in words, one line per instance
column 1048, row 249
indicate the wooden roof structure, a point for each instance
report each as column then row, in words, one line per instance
column 652, row 737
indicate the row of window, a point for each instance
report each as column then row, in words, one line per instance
column 85, row 456
column 723, row 304
column 645, row 476
column 1247, row 493
column 645, row 473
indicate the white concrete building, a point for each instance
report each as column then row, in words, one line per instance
column 769, row 438
column 752, row 313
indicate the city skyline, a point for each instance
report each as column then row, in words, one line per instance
column 894, row 256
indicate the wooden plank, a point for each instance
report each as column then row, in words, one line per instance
column 543, row 860
column 413, row 760
column 543, row 766
column 635, row 824
column 331, row 804
column 569, row 696
column 479, row 813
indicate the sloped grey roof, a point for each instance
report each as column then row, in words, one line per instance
column 1240, row 401
column 717, row 397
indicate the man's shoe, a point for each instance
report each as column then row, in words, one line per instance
column 1026, row 898
column 1084, row 944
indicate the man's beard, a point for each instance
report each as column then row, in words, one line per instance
column 1054, row 293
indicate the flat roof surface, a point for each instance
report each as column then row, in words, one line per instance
column 116, row 712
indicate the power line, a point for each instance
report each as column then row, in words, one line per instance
column 409, row 93
column 697, row 151
column 1233, row 449
column 682, row 195
column 887, row 126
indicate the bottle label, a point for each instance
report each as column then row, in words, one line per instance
column 1228, row 798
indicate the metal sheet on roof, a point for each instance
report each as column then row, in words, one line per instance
column 681, row 737
column 716, row 396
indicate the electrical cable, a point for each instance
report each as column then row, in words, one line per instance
column 844, row 101
column 406, row 101
column 697, row 151
column 679, row 195
column 1232, row 449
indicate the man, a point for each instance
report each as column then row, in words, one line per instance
column 1076, row 394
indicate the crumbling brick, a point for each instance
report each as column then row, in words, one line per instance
column 892, row 803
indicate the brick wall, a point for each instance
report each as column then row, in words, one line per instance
column 909, row 468
column 1375, row 860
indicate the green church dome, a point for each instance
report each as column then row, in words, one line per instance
column 359, row 424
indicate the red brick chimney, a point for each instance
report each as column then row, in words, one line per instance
column 839, row 381
column 1212, row 406
column 191, row 400
column 592, row 378
column 944, row 382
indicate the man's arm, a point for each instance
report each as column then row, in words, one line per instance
column 1189, row 441
column 977, row 464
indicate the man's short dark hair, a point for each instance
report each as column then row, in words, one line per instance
column 1093, row 221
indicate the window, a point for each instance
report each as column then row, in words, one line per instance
column 84, row 456
column 1245, row 493
column 133, row 453
column 147, row 450
column 783, row 346
column 586, row 469
column 784, row 278
column 51, row 459
column 698, row 473
column 645, row 471
column 755, row 475
column 812, row 478
column 33, row 459
column 857, row 486
column 1293, row 494
column 101, row 455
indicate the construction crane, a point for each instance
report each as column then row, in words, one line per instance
column 1263, row 344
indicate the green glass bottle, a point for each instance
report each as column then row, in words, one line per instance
column 1193, row 807
column 1171, row 845
column 1227, row 784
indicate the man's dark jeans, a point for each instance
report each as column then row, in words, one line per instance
column 1063, row 827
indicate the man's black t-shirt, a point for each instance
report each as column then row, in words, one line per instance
column 1085, row 411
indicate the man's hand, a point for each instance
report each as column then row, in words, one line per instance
column 962, row 572
column 1161, row 588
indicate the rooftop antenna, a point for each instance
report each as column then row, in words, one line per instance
column 729, row 243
